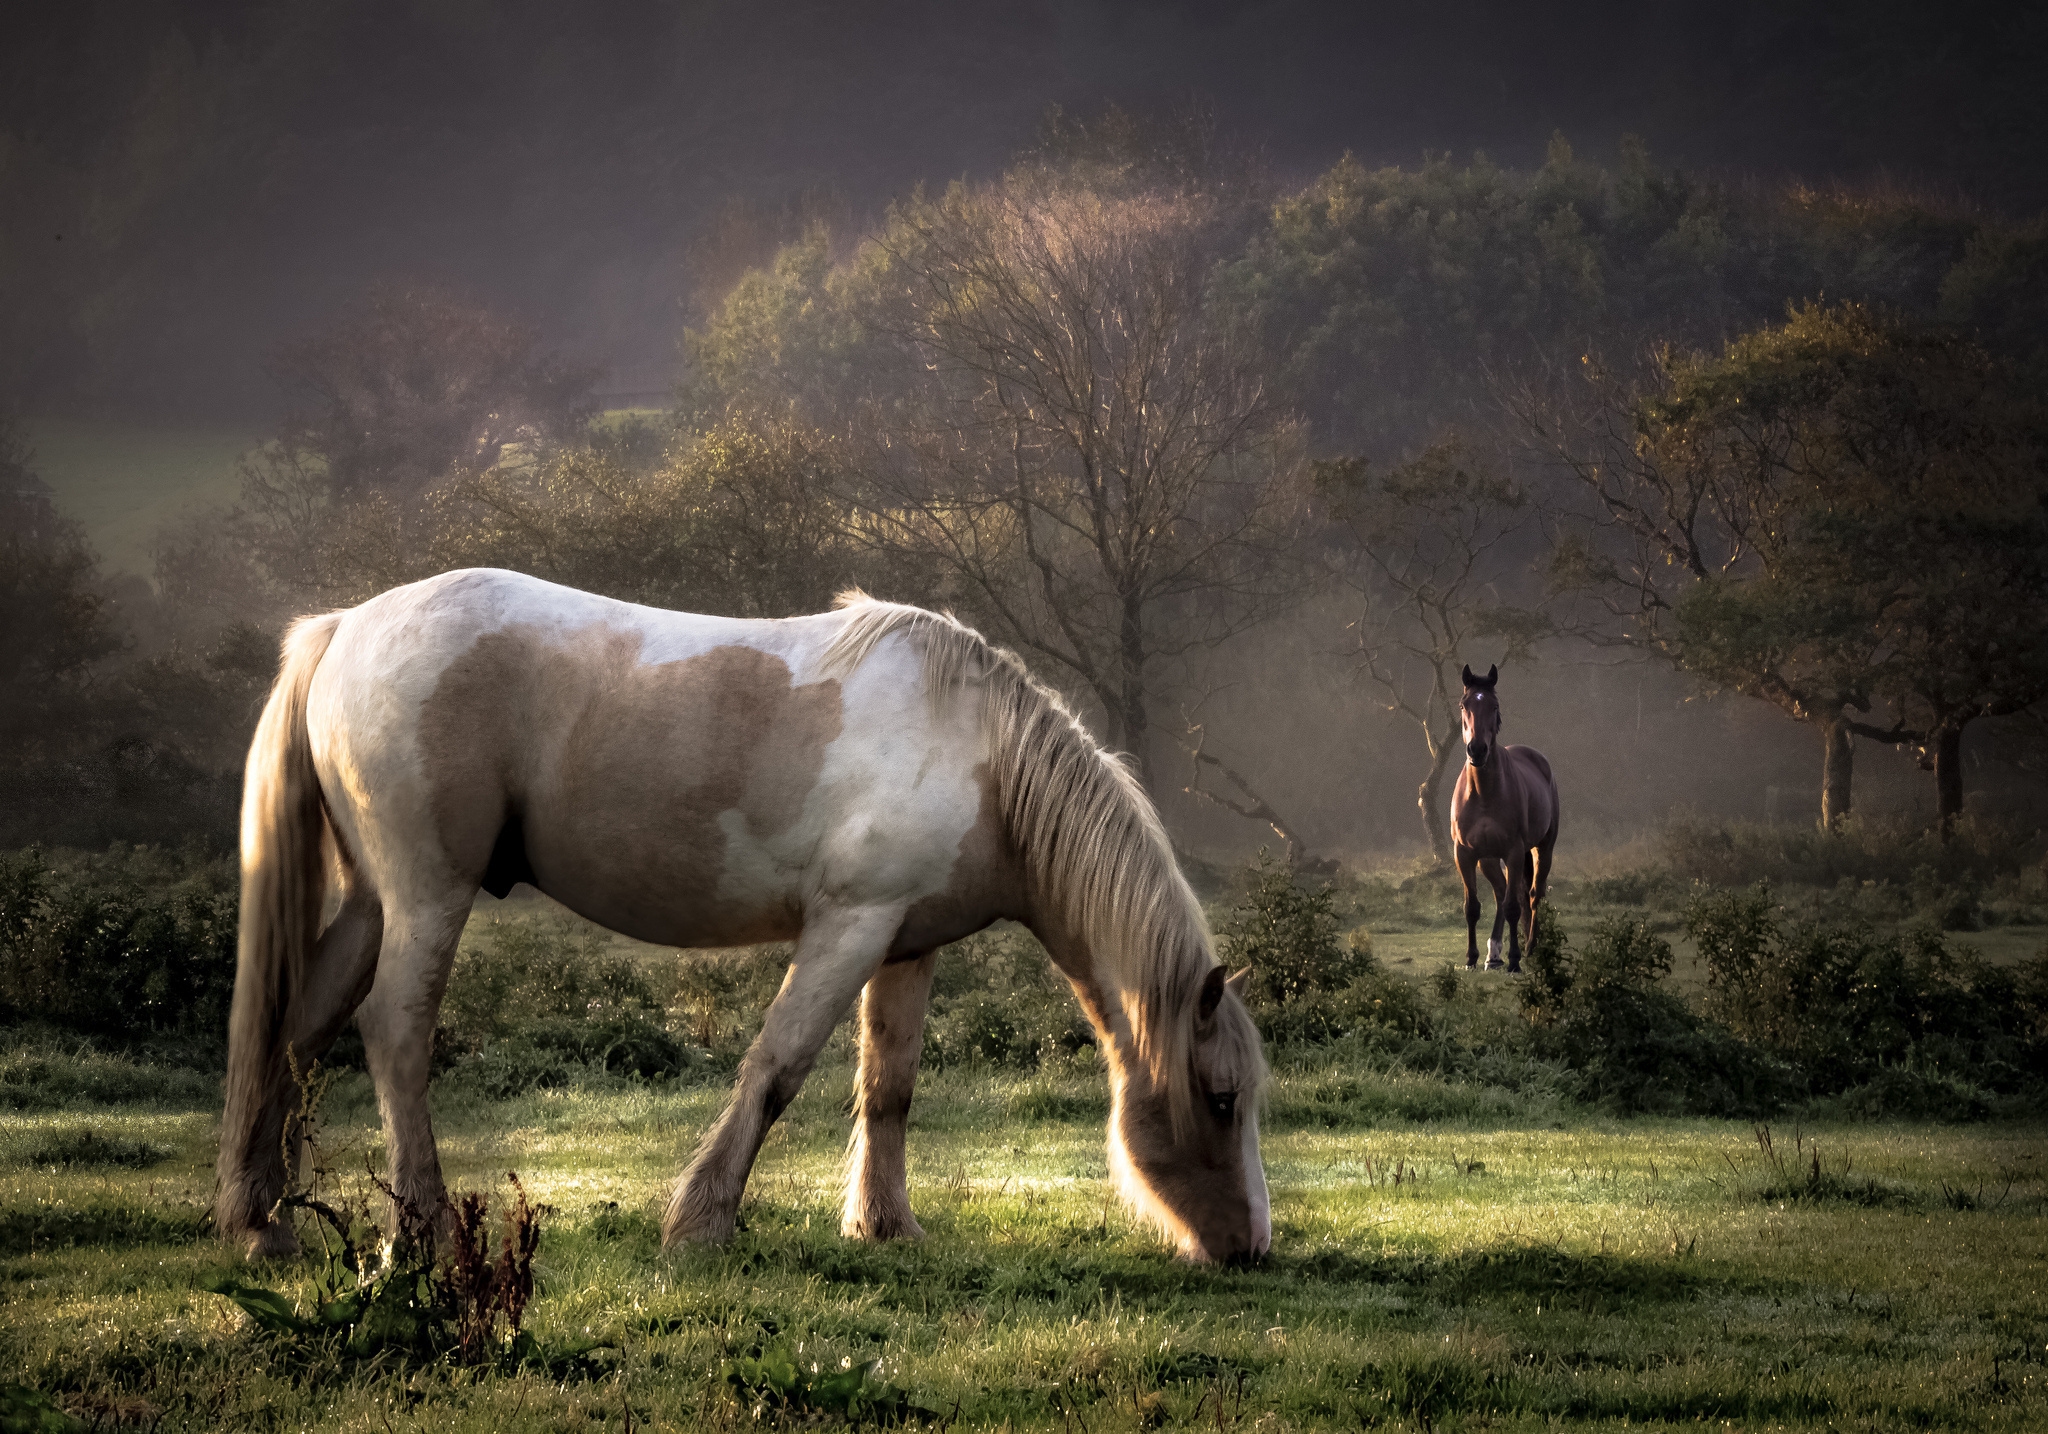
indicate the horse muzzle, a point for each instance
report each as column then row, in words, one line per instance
column 1477, row 753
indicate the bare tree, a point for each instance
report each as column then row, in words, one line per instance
column 1427, row 548
column 1084, row 445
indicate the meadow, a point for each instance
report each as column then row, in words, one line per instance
column 1446, row 1257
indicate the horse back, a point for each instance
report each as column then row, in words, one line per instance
column 686, row 779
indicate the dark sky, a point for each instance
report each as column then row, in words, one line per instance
column 223, row 175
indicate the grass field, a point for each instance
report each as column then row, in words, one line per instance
column 1516, row 1267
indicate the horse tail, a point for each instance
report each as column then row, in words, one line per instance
column 283, row 822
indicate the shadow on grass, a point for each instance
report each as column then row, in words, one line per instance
column 106, row 1227
column 1425, row 1388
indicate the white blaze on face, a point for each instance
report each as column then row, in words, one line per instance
column 1255, row 1187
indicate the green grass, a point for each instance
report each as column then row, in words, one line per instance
column 124, row 481
column 1496, row 1264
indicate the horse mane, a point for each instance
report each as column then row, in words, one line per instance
column 1090, row 838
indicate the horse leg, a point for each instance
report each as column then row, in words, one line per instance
column 1539, row 886
column 1516, row 905
column 339, row 969
column 1491, row 870
column 397, row 1022
column 891, row 1041
column 1468, row 862
column 839, row 950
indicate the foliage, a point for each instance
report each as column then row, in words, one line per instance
column 400, row 1296
column 776, row 1380
column 1846, row 1004
column 538, row 1003
column 998, row 1000
column 1832, row 512
column 1402, row 293
column 1428, row 547
column 1634, row 1045
column 743, row 519
column 413, row 384
column 1307, row 985
column 96, row 953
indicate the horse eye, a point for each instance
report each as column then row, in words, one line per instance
column 1223, row 1103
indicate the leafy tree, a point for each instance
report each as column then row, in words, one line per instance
column 1428, row 548
column 56, row 623
column 1400, row 296
column 413, row 384
column 1811, row 515
column 744, row 519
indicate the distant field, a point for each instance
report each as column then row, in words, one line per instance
column 124, row 481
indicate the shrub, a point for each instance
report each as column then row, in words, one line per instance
column 1634, row 1045
column 1307, row 985
column 718, row 997
column 997, row 999
column 1845, row 1003
column 93, row 952
column 536, row 1003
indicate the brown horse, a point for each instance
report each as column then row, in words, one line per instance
column 1503, row 821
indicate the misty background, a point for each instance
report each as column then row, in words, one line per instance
column 209, row 212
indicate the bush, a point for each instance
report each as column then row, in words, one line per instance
column 93, row 951
column 536, row 1003
column 1634, row 1046
column 1845, row 1004
column 1307, row 985
column 997, row 999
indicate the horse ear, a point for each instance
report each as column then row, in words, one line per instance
column 1239, row 983
column 1492, row 674
column 1212, row 991
column 1470, row 680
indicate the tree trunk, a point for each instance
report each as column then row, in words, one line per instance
column 1428, row 798
column 1838, row 764
column 1948, row 777
column 1137, row 733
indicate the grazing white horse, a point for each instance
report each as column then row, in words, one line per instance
column 872, row 782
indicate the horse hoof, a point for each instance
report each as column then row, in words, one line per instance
column 1471, row 963
column 1493, row 965
column 877, row 1230
column 1514, row 968
column 272, row 1241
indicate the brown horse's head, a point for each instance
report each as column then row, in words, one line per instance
column 1197, row 1173
column 1479, row 715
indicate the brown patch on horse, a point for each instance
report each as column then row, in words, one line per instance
column 618, row 774
column 986, row 883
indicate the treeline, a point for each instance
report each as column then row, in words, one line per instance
column 1128, row 401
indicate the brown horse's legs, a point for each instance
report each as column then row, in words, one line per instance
column 1540, row 884
column 837, row 953
column 397, row 1022
column 1515, row 904
column 891, row 1041
column 1468, row 862
column 1491, row 870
